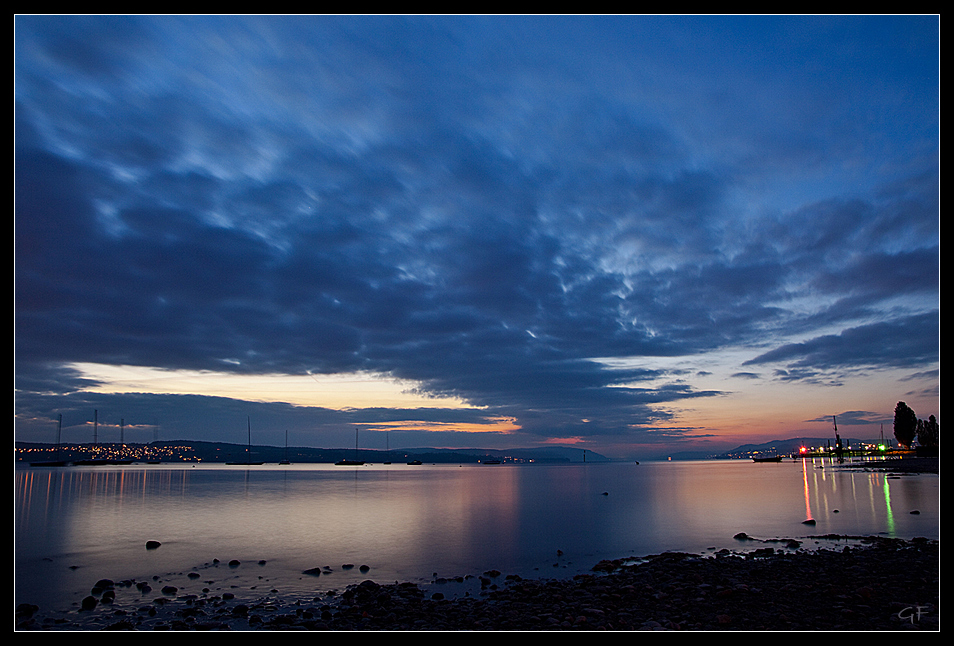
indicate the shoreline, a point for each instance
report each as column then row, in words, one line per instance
column 898, row 465
column 879, row 584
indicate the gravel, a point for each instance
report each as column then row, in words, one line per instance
column 875, row 584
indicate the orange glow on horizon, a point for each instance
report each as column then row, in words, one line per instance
column 503, row 425
column 564, row 440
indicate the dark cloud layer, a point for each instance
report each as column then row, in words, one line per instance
column 482, row 205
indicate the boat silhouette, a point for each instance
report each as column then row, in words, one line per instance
column 351, row 463
column 285, row 459
column 248, row 450
column 57, row 462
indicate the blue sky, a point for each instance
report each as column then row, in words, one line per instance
column 637, row 235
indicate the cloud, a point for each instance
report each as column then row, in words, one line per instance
column 904, row 343
column 854, row 418
column 482, row 206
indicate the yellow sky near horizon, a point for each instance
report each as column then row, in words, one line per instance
column 337, row 391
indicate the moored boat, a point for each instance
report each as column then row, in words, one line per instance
column 351, row 463
column 248, row 451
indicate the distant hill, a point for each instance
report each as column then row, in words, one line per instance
column 188, row 450
column 541, row 454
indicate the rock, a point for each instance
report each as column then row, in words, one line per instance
column 100, row 586
column 315, row 571
column 810, row 521
column 26, row 610
column 234, row 563
column 862, row 588
column 151, row 545
column 88, row 603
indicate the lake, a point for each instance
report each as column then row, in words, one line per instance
column 76, row 525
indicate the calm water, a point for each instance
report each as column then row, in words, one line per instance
column 77, row 525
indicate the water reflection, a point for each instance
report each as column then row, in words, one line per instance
column 887, row 505
column 409, row 522
column 808, row 503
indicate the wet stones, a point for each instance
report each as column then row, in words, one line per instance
column 872, row 587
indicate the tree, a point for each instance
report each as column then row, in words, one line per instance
column 905, row 425
column 928, row 432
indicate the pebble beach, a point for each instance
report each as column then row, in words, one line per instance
column 876, row 584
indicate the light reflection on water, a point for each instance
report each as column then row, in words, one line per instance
column 409, row 522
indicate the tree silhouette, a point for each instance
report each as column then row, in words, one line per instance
column 905, row 425
column 928, row 432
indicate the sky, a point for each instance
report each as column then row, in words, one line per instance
column 637, row 235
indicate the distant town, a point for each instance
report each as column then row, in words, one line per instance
column 215, row 452
column 812, row 448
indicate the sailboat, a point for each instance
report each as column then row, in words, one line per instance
column 352, row 463
column 285, row 460
column 248, row 451
column 57, row 462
